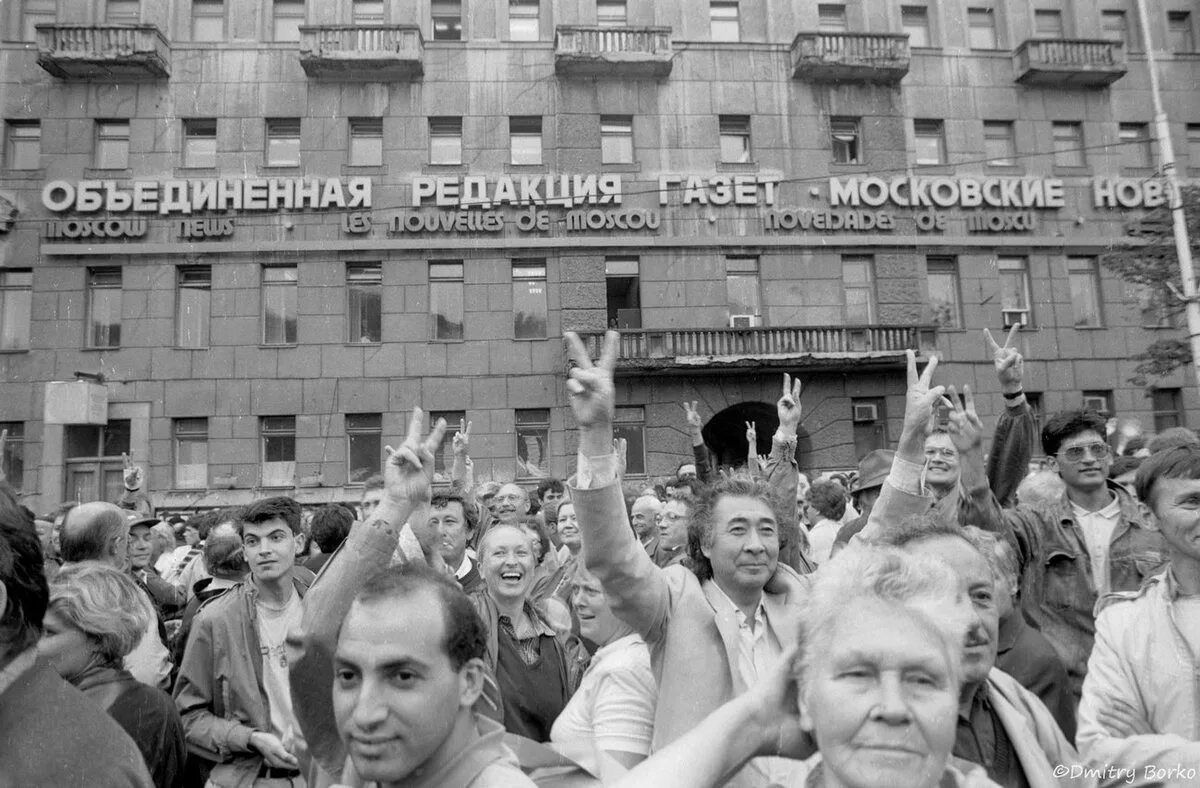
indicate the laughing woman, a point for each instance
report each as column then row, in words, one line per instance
column 534, row 669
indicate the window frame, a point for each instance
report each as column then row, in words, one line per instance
column 609, row 19
column 103, row 279
column 1077, row 151
column 12, row 461
column 976, row 13
column 1173, row 409
column 629, row 422
column 1179, row 24
column 530, row 270
column 368, row 278
column 926, row 129
column 926, row 25
column 11, row 291
column 188, row 433
column 831, row 18
column 279, row 131
column 724, row 21
column 188, row 278
column 1124, row 31
column 1085, row 270
column 521, row 127
column 20, row 144
column 524, row 20
column 372, row 18
column 111, row 140
column 729, row 129
column 946, row 265
column 446, row 127
column 1012, row 266
column 627, row 269
column 450, row 272
column 280, row 428
column 618, row 128
column 42, row 12
column 366, row 427
column 854, row 147
column 130, row 15
column 443, row 455
column 1133, row 139
column 198, row 130
column 872, row 305
column 295, row 12
column 1008, row 138
column 743, row 268
column 291, row 306
column 534, row 420
column 442, row 10
column 203, row 10
column 1045, row 15
column 360, row 131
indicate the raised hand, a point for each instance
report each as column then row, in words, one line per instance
column 788, row 406
column 408, row 470
column 132, row 474
column 763, row 460
column 461, row 441
column 921, row 397
column 752, row 437
column 3, row 446
column 1010, row 365
column 621, row 447
column 965, row 426
column 590, row 386
column 693, row 415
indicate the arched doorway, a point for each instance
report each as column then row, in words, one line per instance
column 725, row 433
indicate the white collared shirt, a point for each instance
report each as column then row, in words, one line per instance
column 1098, row 530
column 464, row 568
column 758, row 646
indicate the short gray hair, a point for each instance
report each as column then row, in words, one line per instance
column 103, row 603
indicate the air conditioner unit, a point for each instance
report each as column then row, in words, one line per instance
column 1098, row 404
column 1015, row 317
column 865, row 412
column 744, row 321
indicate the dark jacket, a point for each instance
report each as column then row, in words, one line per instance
column 1027, row 656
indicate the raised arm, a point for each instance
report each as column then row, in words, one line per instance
column 462, row 469
column 1016, row 429
column 901, row 494
column 408, row 474
column 135, row 499
column 699, row 450
column 782, row 474
column 638, row 590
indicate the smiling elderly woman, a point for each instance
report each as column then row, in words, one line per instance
column 876, row 684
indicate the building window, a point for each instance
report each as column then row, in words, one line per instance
column 208, row 20
column 1014, row 291
column 930, row 136
column 1068, row 144
column 193, row 307
column 846, row 140
column 94, row 468
column 629, row 423
column 191, row 454
column 278, row 437
column 523, row 20
column 1134, row 146
column 942, row 276
column 611, row 13
column 525, row 139
column 283, row 142
column 530, row 312
column 1115, row 25
column 1048, row 23
column 742, row 291
column 616, row 139
column 445, row 141
column 1193, row 146
column 1179, row 31
column 734, row 131
column 364, row 446
column 104, row 307
column 279, row 294
column 23, row 145
column 1168, row 408
column 533, row 442
column 446, row 299
column 364, row 303
column 858, row 283
column 831, row 18
column 1084, row 276
column 1000, row 143
column 367, row 12
column 1099, row 400
column 624, row 292
column 34, row 13
column 366, row 142
column 981, row 28
column 16, row 305
column 200, row 143
column 447, row 20
column 286, row 18
column 914, row 20
column 723, row 21
column 12, row 463
column 122, row 12
column 869, row 417
column 112, row 144
column 443, row 457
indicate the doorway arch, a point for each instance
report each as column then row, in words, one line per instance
column 725, row 433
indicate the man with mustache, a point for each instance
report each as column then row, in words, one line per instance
column 1001, row 725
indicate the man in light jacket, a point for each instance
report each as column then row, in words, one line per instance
column 1139, row 709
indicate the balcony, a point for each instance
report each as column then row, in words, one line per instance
column 85, row 51
column 690, row 350
column 850, row 57
column 362, row 53
column 617, row 52
column 1063, row 62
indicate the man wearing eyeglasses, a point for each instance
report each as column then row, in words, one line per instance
column 672, row 523
column 1096, row 540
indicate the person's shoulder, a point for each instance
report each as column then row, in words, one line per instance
column 1128, row 606
column 221, row 603
column 501, row 774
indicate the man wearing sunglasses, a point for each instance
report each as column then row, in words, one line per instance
column 1095, row 540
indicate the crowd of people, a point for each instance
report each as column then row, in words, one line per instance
column 939, row 617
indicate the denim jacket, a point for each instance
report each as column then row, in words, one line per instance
column 1058, row 592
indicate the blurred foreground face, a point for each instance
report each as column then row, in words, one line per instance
column 396, row 695
column 64, row 647
column 881, row 699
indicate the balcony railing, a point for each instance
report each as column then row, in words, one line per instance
column 85, row 51
column 854, row 57
column 375, row 53
column 695, row 348
column 618, row 52
column 1063, row 62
